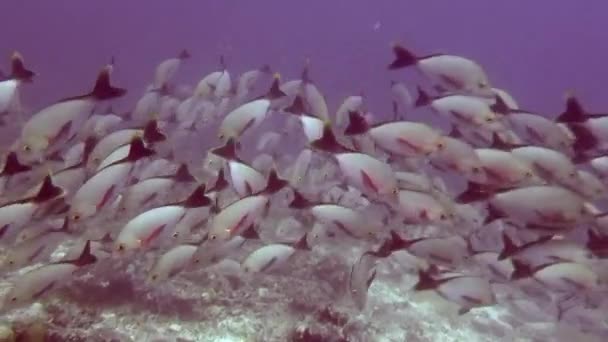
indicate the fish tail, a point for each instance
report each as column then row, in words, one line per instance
column 47, row 191
column 328, row 141
column 297, row 106
column 220, row 182
column 274, row 183
column 85, row 258
column 584, row 139
column 183, row 175
column 299, row 201
column 521, row 270
column 103, row 90
column 275, row 91
column 228, row 151
column 423, row 98
column 509, row 247
column 500, row 106
column 138, row 150
column 18, row 69
column 356, row 124
column 197, row 198
column 425, row 280
column 12, row 165
column 403, row 58
column 152, row 133
column 574, row 111
column 474, row 192
column 184, row 54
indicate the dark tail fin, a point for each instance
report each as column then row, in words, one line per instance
column 475, row 192
column 85, row 258
column 403, row 58
column 137, row 151
column 392, row 244
column 274, row 183
column 197, row 199
column 597, row 243
column 574, row 111
column 499, row 144
column 425, row 280
column 584, row 138
column 302, row 243
column 220, row 182
column 299, row 202
column 509, row 247
column 493, row 214
column 228, row 151
column 47, row 191
column 455, row 132
column 152, row 134
column 251, row 233
column 328, row 142
column 184, row 54
column 356, row 124
column 103, row 90
column 183, row 175
column 423, row 98
column 297, row 106
column 89, row 145
column 18, row 69
column 500, row 106
column 521, row 270
column 275, row 91
column 13, row 166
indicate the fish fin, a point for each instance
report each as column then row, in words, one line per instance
column 228, row 151
column 574, row 111
column 299, row 201
column 493, row 214
column 302, row 243
column 356, row 124
column 500, row 106
column 250, row 233
column 328, row 142
column 85, row 258
column 13, row 166
column 297, row 106
column 184, row 54
column 390, row 245
column 197, row 198
column 137, row 151
column 499, row 144
column 474, row 192
column 274, row 183
column 425, row 280
column 183, row 175
column 584, row 138
column 521, row 270
column 220, row 182
column 455, row 132
column 103, row 90
column 509, row 247
column 152, row 133
column 18, row 69
column 403, row 58
column 47, row 191
column 89, row 145
column 423, row 98
column 275, row 91
column 596, row 242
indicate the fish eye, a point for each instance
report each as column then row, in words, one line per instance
column 14, row 299
column 175, row 235
column 213, row 237
column 27, row 148
column 75, row 217
column 11, row 262
column 121, row 247
column 443, row 217
column 489, row 119
column 572, row 174
column 529, row 174
column 154, row 277
column 440, row 146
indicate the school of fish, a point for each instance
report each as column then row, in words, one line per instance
column 505, row 204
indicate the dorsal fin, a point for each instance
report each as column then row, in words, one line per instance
column 184, row 54
column 521, row 270
column 302, row 244
column 18, row 69
column 500, row 106
column 13, row 166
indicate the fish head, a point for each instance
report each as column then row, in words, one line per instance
column 16, row 297
column 80, row 212
column 32, row 149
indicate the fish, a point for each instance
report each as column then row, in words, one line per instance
column 59, row 122
column 267, row 258
column 468, row 292
column 40, row 281
column 245, row 179
column 361, row 276
column 166, row 70
column 150, row 226
column 311, row 125
column 9, row 86
column 450, row 72
column 559, row 275
column 170, row 263
column 103, row 187
column 544, row 250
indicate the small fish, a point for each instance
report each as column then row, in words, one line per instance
column 172, row 262
column 267, row 258
column 312, row 125
column 546, row 249
column 448, row 71
column 460, row 157
column 59, row 122
column 467, row 292
column 167, row 69
column 245, row 179
column 351, row 104
column 39, row 281
column 9, row 86
column 559, row 275
column 361, row 277
column 423, row 208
